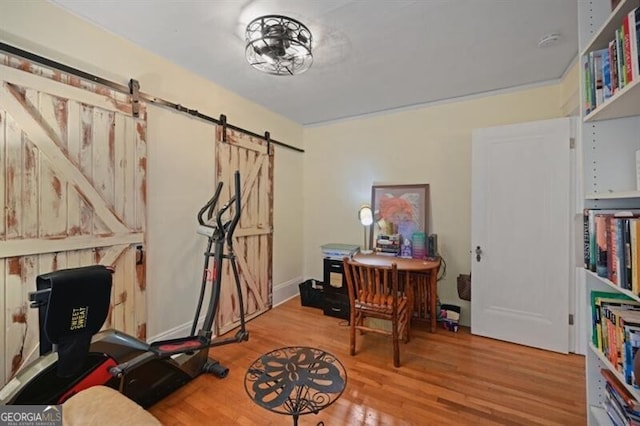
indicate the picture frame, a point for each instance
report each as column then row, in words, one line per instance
column 399, row 208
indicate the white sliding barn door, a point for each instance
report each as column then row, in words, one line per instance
column 520, row 233
column 253, row 238
column 72, row 193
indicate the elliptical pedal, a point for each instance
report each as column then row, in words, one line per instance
column 177, row 346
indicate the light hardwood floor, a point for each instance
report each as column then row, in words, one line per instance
column 444, row 378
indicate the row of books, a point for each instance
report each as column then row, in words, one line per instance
column 621, row 407
column 388, row 244
column 612, row 246
column 616, row 331
column 608, row 70
column 419, row 246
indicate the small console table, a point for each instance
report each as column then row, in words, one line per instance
column 295, row 381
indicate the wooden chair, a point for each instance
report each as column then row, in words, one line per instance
column 374, row 292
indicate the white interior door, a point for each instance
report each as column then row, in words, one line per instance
column 520, row 227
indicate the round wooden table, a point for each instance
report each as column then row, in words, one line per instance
column 422, row 274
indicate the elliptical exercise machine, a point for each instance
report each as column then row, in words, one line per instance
column 73, row 305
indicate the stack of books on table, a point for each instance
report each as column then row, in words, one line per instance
column 388, row 245
column 339, row 251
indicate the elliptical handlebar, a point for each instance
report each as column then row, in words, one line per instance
column 210, row 205
column 227, row 230
column 221, row 212
column 236, row 216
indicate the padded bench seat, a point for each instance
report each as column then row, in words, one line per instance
column 101, row 405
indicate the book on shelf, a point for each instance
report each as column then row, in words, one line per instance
column 595, row 58
column 613, row 412
column 388, row 244
column 637, row 21
column 617, row 410
column 608, row 247
column 606, row 340
column 614, row 244
column 626, row 256
column 607, row 87
column 622, row 392
column 633, row 251
column 596, row 301
column 628, row 73
column 630, row 39
column 617, row 332
column 631, row 346
column 381, row 253
column 588, row 104
column 621, row 323
column 619, row 39
column 612, row 68
column 602, row 243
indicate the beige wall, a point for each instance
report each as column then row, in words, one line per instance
column 180, row 153
column 342, row 160
column 425, row 145
column 569, row 94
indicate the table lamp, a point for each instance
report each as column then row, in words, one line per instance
column 365, row 215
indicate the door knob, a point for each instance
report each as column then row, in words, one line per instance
column 478, row 253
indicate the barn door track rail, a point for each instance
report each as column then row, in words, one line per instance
column 133, row 89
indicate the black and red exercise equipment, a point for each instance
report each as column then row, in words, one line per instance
column 73, row 305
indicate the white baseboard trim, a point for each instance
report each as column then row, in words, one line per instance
column 281, row 293
column 286, row 291
column 175, row 332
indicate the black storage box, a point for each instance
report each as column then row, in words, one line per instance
column 311, row 294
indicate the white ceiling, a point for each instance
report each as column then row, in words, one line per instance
column 369, row 56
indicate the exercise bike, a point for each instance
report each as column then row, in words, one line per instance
column 73, row 305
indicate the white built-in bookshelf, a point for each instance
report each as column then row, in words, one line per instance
column 610, row 136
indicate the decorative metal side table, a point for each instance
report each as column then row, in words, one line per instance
column 295, row 381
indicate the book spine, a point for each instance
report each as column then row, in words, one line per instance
column 637, row 19
column 634, row 229
column 626, row 254
column 633, row 44
column 615, row 249
column 627, row 50
column 621, row 72
column 592, row 88
column 587, row 85
column 607, row 90
column 593, row 247
column 586, row 248
column 613, row 65
column 602, row 236
column 598, row 77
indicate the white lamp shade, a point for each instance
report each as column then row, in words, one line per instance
column 365, row 214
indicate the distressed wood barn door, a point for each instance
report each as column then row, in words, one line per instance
column 72, row 193
column 253, row 238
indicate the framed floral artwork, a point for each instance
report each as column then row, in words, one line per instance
column 399, row 209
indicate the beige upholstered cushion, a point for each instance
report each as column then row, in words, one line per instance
column 101, row 405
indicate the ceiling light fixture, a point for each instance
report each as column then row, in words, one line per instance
column 549, row 40
column 278, row 45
